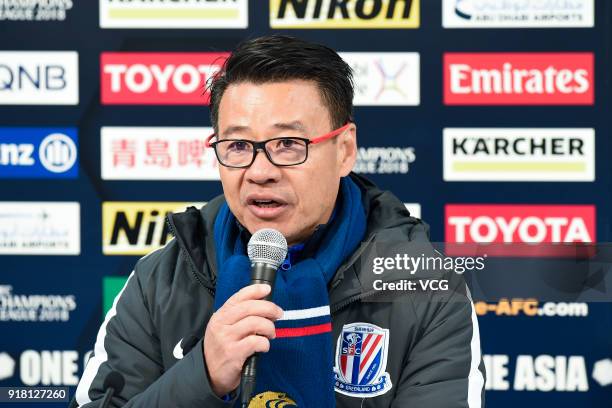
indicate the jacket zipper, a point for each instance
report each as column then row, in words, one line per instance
column 355, row 298
column 184, row 252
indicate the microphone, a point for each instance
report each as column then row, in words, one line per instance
column 267, row 249
column 113, row 384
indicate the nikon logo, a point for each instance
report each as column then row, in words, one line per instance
column 136, row 228
column 344, row 13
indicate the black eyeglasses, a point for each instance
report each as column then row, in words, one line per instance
column 281, row 151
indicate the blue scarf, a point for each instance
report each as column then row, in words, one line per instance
column 298, row 369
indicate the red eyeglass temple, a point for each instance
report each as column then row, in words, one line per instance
column 319, row 139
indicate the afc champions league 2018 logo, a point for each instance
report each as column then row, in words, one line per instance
column 361, row 361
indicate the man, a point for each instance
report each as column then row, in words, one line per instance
column 284, row 137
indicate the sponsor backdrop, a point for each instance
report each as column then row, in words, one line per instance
column 489, row 119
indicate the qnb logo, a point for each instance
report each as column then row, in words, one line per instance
column 157, row 78
column 57, row 153
column 518, row 79
column 40, row 77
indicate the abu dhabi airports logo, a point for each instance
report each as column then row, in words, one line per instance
column 324, row 14
column 517, row 14
column 34, row 10
column 385, row 78
column 40, row 228
column 174, row 14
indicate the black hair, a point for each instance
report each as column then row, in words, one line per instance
column 277, row 58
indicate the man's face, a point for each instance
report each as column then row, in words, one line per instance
column 294, row 199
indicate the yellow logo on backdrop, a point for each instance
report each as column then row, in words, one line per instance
column 137, row 228
column 344, row 13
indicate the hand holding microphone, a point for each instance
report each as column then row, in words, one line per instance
column 244, row 325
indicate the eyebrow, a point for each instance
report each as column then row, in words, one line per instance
column 233, row 129
column 294, row 125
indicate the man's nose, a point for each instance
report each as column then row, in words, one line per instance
column 262, row 170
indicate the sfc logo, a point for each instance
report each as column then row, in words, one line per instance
column 361, row 361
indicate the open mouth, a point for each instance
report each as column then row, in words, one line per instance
column 266, row 208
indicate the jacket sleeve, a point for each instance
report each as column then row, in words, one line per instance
column 127, row 343
column 444, row 368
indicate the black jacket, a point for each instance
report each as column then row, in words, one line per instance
column 433, row 346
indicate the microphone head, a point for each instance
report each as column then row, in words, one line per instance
column 115, row 380
column 267, row 246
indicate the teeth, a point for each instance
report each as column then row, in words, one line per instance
column 266, row 203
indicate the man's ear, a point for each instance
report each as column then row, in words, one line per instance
column 347, row 150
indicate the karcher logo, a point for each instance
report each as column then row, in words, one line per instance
column 136, row 228
column 344, row 13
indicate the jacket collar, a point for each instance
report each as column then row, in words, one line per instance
column 194, row 231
